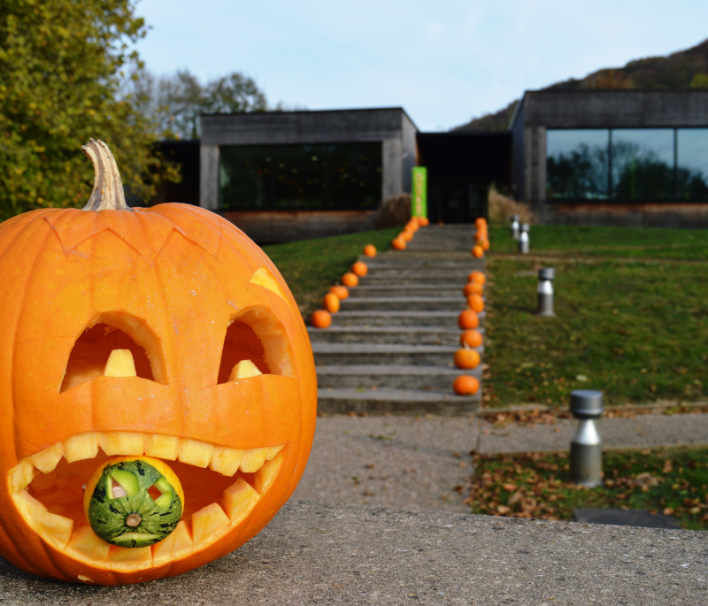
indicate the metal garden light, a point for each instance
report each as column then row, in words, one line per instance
column 545, row 291
column 515, row 227
column 586, row 445
column 524, row 239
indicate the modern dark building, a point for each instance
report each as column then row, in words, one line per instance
column 616, row 157
column 292, row 175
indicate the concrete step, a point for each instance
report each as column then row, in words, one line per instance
column 458, row 276
column 366, row 318
column 422, row 263
column 418, row 290
column 404, row 303
column 385, row 353
column 395, row 401
column 366, row 376
column 418, row 335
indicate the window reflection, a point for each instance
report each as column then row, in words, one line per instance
column 346, row 175
column 692, row 165
column 643, row 164
column 577, row 164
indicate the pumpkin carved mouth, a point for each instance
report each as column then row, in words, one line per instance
column 222, row 485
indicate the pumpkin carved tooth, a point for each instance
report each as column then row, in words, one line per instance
column 81, row 446
column 208, row 523
column 195, row 452
column 161, row 447
column 272, row 451
column 46, row 460
column 226, row 461
column 239, row 499
column 244, row 370
column 122, row 443
column 120, row 364
column 253, row 460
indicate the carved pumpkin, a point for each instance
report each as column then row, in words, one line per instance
column 350, row 280
column 360, row 269
column 331, row 303
column 342, row 292
column 466, row 358
column 465, row 385
column 158, row 334
column 321, row 319
column 370, row 250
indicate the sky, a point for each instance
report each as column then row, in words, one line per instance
column 444, row 61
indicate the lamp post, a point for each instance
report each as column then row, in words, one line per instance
column 524, row 239
column 586, row 446
column 515, row 227
column 545, row 291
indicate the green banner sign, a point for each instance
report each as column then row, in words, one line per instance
column 419, row 197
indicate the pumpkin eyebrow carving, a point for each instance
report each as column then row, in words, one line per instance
column 107, row 333
column 255, row 334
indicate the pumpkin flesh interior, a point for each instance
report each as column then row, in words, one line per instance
column 48, row 490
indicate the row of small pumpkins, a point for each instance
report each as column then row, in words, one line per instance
column 400, row 241
column 467, row 357
column 322, row 318
column 481, row 238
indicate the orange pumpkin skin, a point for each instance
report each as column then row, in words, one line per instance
column 321, row 318
column 360, row 269
column 350, row 280
column 475, row 303
column 185, row 273
column 370, row 250
column 472, row 288
column 331, row 303
column 465, row 385
column 407, row 235
column 342, row 292
column 477, row 251
column 471, row 338
column 480, row 222
column 466, row 358
column 468, row 319
column 398, row 243
column 478, row 277
column 423, row 221
column 484, row 243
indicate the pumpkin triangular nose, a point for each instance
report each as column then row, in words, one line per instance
column 120, row 364
column 243, row 370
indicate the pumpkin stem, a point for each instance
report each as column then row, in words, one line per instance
column 107, row 191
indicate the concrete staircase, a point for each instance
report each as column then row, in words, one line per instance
column 390, row 348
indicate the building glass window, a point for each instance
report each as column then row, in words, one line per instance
column 628, row 164
column 284, row 177
column 692, row 164
column 643, row 164
column 577, row 164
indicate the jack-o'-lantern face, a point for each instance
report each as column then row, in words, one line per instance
column 215, row 377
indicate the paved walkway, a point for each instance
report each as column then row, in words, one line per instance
column 416, row 463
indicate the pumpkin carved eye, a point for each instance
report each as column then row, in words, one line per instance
column 256, row 335
column 107, row 333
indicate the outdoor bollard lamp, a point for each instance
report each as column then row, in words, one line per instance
column 515, row 227
column 524, row 239
column 545, row 291
column 586, row 445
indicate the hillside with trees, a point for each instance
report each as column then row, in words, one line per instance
column 683, row 69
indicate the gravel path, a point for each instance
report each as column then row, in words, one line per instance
column 403, row 462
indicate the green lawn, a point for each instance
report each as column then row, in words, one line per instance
column 672, row 481
column 649, row 243
column 310, row 267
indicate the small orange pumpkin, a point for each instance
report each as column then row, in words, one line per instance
column 162, row 332
column 465, row 385
column 466, row 358
column 398, row 243
column 484, row 243
column 468, row 319
column 370, row 250
column 478, row 277
column 407, row 235
column 471, row 338
column 480, row 222
column 423, row 221
column 477, row 251
column 360, row 269
column 475, row 303
column 321, row 318
column 342, row 292
column 350, row 280
column 331, row 303
column 472, row 288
